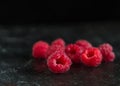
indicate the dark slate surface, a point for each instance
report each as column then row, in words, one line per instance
column 17, row 68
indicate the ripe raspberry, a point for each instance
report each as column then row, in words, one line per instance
column 84, row 43
column 58, row 41
column 59, row 62
column 74, row 52
column 107, row 52
column 106, row 46
column 91, row 57
column 39, row 49
column 54, row 48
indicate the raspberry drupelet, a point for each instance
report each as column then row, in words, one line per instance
column 59, row 62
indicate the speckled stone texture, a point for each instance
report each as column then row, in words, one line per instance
column 17, row 68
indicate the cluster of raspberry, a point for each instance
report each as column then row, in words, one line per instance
column 60, row 57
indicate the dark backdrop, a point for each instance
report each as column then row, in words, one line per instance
column 58, row 11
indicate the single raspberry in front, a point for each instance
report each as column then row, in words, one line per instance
column 39, row 49
column 74, row 52
column 59, row 62
column 84, row 43
column 91, row 57
column 107, row 52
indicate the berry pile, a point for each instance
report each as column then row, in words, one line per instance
column 60, row 57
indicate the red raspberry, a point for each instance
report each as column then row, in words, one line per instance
column 74, row 52
column 107, row 52
column 59, row 62
column 84, row 43
column 39, row 49
column 109, row 57
column 91, row 57
column 54, row 48
column 106, row 46
column 58, row 41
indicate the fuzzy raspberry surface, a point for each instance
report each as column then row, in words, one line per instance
column 84, row 43
column 74, row 52
column 58, row 41
column 107, row 52
column 39, row 49
column 54, row 48
column 91, row 57
column 59, row 62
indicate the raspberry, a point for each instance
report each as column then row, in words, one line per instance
column 106, row 46
column 110, row 57
column 107, row 52
column 84, row 43
column 39, row 49
column 91, row 57
column 74, row 52
column 58, row 41
column 59, row 62
column 54, row 48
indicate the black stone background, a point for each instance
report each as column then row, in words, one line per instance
column 17, row 68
